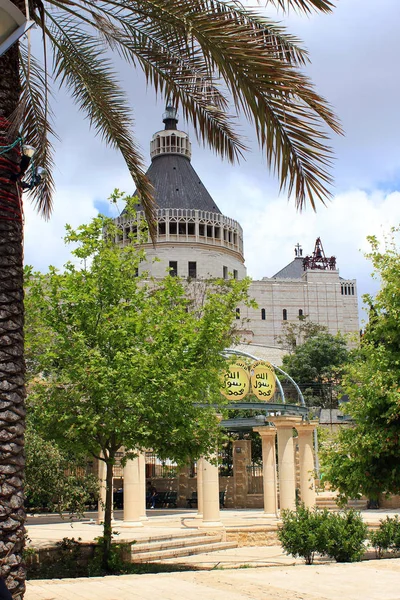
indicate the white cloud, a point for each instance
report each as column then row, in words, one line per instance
column 43, row 239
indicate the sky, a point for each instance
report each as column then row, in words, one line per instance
column 354, row 53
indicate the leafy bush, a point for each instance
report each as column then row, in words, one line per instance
column 308, row 532
column 301, row 532
column 345, row 535
column 387, row 536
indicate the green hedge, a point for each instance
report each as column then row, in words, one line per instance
column 306, row 532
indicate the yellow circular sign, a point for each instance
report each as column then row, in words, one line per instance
column 262, row 376
column 236, row 382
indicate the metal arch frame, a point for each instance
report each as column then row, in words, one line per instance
column 247, row 355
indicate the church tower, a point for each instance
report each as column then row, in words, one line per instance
column 194, row 239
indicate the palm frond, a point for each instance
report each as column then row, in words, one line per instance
column 81, row 65
column 37, row 128
column 288, row 115
column 200, row 52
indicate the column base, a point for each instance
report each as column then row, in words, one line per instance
column 198, row 516
column 144, row 518
column 130, row 524
column 211, row 525
column 269, row 515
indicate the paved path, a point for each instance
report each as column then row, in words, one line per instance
column 373, row 580
column 159, row 523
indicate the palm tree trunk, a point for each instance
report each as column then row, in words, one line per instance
column 12, row 369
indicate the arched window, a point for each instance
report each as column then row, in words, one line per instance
column 263, row 314
column 238, row 313
column 284, row 314
column 300, row 312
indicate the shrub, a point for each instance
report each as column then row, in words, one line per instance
column 345, row 534
column 300, row 533
column 387, row 536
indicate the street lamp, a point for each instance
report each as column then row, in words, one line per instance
column 13, row 24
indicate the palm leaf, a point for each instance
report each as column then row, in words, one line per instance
column 81, row 65
column 36, row 127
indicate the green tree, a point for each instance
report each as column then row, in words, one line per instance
column 200, row 53
column 296, row 333
column 126, row 362
column 317, row 366
column 56, row 480
column 366, row 458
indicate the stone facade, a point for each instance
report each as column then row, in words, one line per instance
column 317, row 294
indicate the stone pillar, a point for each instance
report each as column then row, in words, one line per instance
column 183, row 486
column 268, row 435
column 306, row 455
column 102, row 471
column 287, row 477
column 133, row 504
column 199, row 489
column 142, row 483
column 211, row 516
column 241, row 452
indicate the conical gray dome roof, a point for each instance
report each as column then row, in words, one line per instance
column 176, row 183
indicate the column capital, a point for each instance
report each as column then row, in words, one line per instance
column 265, row 430
column 306, row 426
column 286, row 421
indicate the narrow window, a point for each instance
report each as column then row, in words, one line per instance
column 263, row 314
column 173, row 268
column 191, row 229
column 238, row 313
column 235, row 274
column 192, row 270
column 137, row 272
column 352, row 290
column 182, row 228
column 172, row 228
column 217, row 233
column 209, row 231
column 284, row 314
column 161, row 229
column 201, row 230
column 300, row 312
column 225, row 272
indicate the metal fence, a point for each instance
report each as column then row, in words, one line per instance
column 254, row 479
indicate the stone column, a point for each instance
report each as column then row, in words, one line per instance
column 268, row 435
column 211, row 516
column 133, row 503
column 241, row 452
column 306, row 455
column 183, row 486
column 102, row 471
column 142, row 483
column 199, row 489
column 287, row 477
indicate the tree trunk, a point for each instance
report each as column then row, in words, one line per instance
column 12, row 369
column 107, row 531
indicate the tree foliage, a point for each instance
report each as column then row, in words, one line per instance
column 366, row 458
column 317, row 366
column 296, row 333
column 56, row 480
column 125, row 361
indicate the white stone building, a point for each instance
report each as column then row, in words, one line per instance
column 194, row 239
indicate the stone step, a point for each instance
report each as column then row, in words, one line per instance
column 175, row 542
column 330, row 503
column 162, row 555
